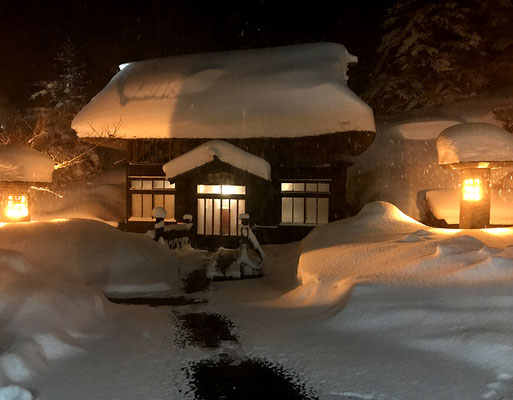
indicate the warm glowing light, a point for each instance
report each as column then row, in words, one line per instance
column 17, row 207
column 221, row 189
column 232, row 189
column 483, row 164
column 446, row 231
column 498, row 231
column 472, row 189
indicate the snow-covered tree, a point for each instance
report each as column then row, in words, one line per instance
column 497, row 28
column 59, row 99
column 68, row 86
column 431, row 53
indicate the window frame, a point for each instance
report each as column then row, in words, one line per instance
column 153, row 191
column 305, row 194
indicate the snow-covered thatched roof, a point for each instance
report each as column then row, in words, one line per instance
column 24, row 164
column 427, row 123
column 223, row 151
column 286, row 91
column 474, row 142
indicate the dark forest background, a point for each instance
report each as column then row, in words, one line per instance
column 112, row 32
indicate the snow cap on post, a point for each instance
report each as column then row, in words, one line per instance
column 159, row 212
column 475, row 144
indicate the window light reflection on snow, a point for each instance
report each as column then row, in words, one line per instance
column 472, row 189
column 17, row 207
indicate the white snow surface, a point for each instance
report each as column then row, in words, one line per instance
column 14, row 393
column 20, row 163
column 386, row 308
column 95, row 254
column 288, row 91
column 42, row 320
column 225, row 152
column 473, row 142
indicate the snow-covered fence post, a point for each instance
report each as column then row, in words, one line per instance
column 187, row 218
column 159, row 214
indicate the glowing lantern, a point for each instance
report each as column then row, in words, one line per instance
column 17, row 207
column 475, row 197
column 474, row 149
column 472, row 190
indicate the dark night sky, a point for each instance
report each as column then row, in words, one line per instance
column 112, row 32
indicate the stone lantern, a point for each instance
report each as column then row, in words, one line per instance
column 473, row 149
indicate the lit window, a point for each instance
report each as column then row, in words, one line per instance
column 472, row 189
column 221, row 189
column 305, row 202
column 17, row 207
column 148, row 193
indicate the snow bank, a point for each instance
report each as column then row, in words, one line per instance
column 445, row 204
column 96, row 254
column 473, row 142
column 225, row 152
column 42, row 319
column 288, row 91
column 22, row 163
column 383, row 244
column 14, row 393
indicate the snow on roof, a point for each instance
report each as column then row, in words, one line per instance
column 24, row 164
column 225, row 152
column 427, row 122
column 474, row 142
column 290, row 91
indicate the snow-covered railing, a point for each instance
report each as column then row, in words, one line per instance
column 175, row 235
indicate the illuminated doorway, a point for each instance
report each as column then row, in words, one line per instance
column 219, row 207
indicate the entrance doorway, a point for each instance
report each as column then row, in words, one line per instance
column 219, row 207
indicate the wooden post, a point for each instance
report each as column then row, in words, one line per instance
column 474, row 198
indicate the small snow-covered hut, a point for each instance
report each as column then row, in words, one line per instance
column 21, row 168
column 267, row 131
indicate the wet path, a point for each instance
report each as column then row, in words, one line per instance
column 228, row 373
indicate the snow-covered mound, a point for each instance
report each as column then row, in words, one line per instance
column 383, row 244
column 288, row 91
column 223, row 151
column 22, row 163
column 474, row 142
column 42, row 319
column 96, row 254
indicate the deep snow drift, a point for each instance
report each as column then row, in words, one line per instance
column 292, row 91
column 386, row 308
column 22, row 163
column 389, row 308
column 95, row 254
column 42, row 320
